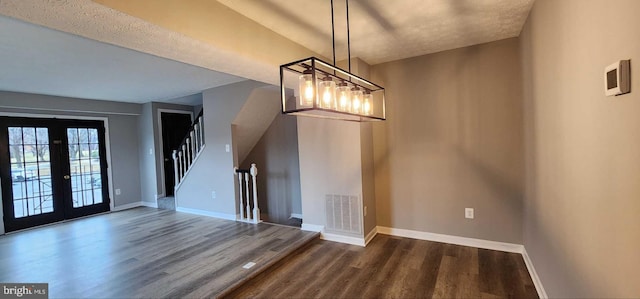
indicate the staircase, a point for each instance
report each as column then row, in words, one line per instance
column 186, row 156
column 189, row 150
column 237, row 116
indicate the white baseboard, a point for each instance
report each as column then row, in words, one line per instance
column 312, row 227
column 370, row 236
column 534, row 275
column 296, row 215
column 342, row 239
column 207, row 213
column 127, row 206
column 479, row 243
column 150, row 204
column 333, row 237
column 464, row 241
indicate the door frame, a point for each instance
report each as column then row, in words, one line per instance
column 107, row 145
column 160, row 145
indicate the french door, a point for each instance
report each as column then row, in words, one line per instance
column 51, row 170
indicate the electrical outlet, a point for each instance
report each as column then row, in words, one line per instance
column 118, row 191
column 468, row 213
column 227, row 148
column 150, row 151
column 213, row 194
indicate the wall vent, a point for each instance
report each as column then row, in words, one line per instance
column 343, row 213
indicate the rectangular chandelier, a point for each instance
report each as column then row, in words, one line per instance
column 312, row 87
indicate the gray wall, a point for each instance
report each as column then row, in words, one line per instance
column 453, row 139
column 276, row 156
column 581, row 224
column 150, row 149
column 362, row 69
column 147, row 154
column 123, row 132
column 330, row 163
column 368, row 177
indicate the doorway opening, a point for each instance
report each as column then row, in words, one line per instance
column 174, row 127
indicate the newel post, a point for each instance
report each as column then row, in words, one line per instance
column 175, row 167
column 256, row 210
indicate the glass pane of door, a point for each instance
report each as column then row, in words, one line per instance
column 30, row 171
column 84, row 166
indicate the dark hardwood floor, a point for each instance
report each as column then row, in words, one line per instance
column 151, row 253
column 144, row 253
column 391, row 267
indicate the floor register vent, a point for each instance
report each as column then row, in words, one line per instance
column 344, row 213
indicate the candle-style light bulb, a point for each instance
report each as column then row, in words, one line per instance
column 367, row 106
column 356, row 100
column 328, row 90
column 307, row 90
column 344, row 97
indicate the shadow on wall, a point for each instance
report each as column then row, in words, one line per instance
column 489, row 126
column 276, row 156
column 453, row 139
column 556, row 259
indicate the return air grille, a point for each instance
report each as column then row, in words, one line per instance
column 343, row 213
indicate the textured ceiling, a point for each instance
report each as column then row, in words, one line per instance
column 37, row 59
column 384, row 30
column 84, row 49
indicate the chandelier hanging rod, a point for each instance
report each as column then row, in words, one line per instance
column 333, row 35
column 348, row 36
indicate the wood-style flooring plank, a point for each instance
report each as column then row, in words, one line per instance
column 392, row 267
column 144, row 253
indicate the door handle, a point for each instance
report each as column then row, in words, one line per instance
column 66, row 176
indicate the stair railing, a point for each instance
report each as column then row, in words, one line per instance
column 248, row 200
column 190, row 148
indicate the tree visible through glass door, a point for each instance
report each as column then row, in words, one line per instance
column 30, row 171
column 84, row 166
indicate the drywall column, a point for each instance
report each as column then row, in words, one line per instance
column 330, row 163
column 336, row 158
column 210, row 186
column 147, row 155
